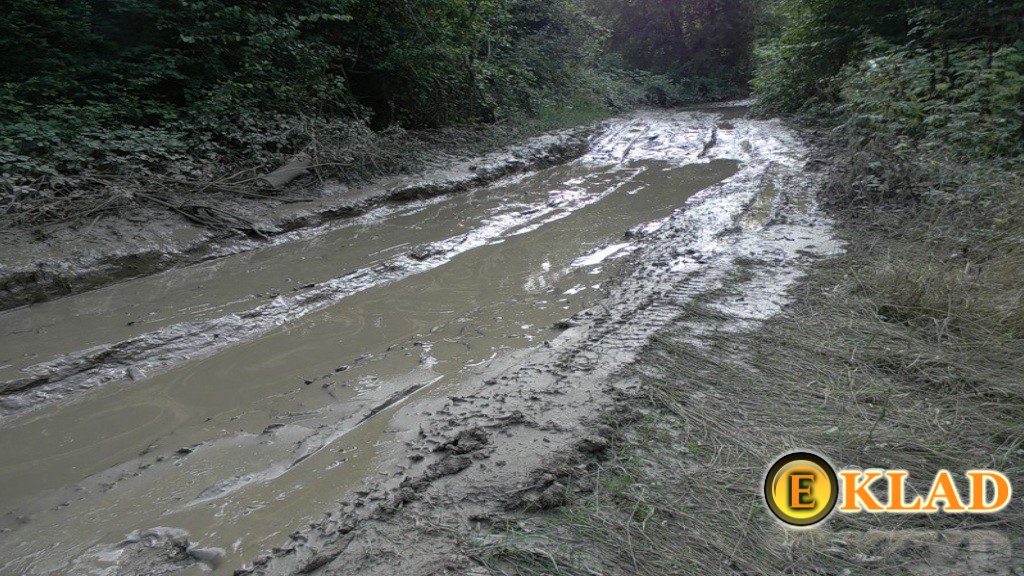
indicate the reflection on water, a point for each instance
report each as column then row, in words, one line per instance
column 244, row 443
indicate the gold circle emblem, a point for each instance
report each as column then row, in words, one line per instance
column 801, row 489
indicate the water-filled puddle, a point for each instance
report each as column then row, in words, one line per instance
column 241, row 427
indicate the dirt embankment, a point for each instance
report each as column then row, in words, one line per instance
column 146, row 240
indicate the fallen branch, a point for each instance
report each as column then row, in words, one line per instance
column 278, row 179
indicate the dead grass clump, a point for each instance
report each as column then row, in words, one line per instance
column 869, row 172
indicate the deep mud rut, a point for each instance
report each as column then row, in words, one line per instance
column 315, row 404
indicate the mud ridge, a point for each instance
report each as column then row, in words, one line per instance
column 509, row 440
column 118, row 248
column 374, row 413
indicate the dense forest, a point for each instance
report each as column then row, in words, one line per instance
column 194, row 89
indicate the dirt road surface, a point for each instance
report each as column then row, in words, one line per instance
column 348, row 396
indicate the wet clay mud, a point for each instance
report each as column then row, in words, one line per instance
column 253, row 411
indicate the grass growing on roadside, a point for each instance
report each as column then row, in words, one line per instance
column 559, row 116
column 906, row 352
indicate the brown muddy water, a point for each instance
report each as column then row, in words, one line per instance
column 239, row 399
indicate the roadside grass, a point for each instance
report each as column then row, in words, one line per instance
column 556, row 116
column 906, row 352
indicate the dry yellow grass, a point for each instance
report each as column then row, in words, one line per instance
column 906, row 352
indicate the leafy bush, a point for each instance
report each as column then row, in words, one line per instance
column 968, row 98
column 185, row 87
column 939, row 73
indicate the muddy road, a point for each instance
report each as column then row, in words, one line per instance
column 264, row 410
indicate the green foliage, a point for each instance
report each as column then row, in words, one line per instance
column 111, row 86
column 543, row 58
column 420, row 62
column 684, row 39
column 810, row 42
column 969, row 98
column 937, row 72
column 100, row 87
column 186, row 88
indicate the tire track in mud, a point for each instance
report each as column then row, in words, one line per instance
column 464, row 452
column 159, row 351
column 39, row 272
column 155, row 352
column 531, row 418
